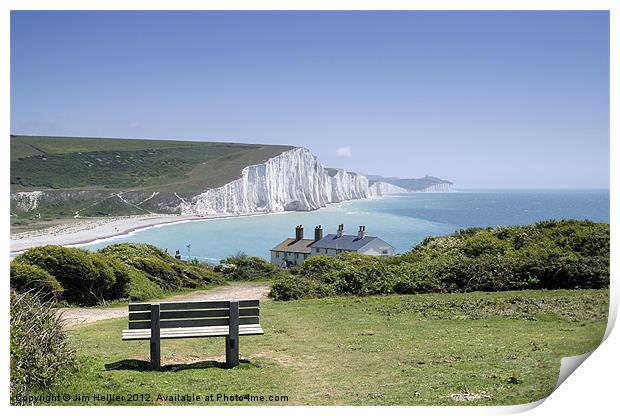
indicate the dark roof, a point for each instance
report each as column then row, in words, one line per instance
column 294, row 246
column 345, row 242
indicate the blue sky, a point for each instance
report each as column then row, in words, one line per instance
column 485, row 99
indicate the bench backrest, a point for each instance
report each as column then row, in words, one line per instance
column 192, row 314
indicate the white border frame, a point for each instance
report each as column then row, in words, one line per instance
column 592, row 389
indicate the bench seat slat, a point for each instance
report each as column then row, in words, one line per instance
column 201, row 313
column 183, row 323
column 192, row 332
column 171, row 306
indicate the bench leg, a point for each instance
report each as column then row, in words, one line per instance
column 232, row 340
column 155, row 338
column 232, row 351
column 155, row 355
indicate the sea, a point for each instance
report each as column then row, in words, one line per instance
column 402, row 220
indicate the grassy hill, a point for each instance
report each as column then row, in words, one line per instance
column 84, row 174
column 78, row 163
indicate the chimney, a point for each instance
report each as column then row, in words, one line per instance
column 318, row 233
column 340, row 230
column 299, row 233
column 362, row 232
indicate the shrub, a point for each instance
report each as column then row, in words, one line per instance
column 139, row 287
column 161, row 268
column 134, row 271
column 294, row 287
column 225, row 268
column 484, row 243
column 546, row 255
column 158, row 270
column 27, row 277
column 320, row 267
column 39, row 351
column 84, row 277
column 122, row 276
column 248, row 268
column 129, row 251
column 415, row 278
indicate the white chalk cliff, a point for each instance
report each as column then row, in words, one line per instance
column 382, row 188
column 439, row 187
column 27, row 201
column 291, row 181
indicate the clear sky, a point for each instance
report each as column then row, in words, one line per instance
column 485, row 99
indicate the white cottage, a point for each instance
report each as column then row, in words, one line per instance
column 334, row 244
column 294, row 251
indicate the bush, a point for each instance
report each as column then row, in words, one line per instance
column 243, row 267
column 122, row 276
column 293, row 287
column 134, row 271
column 86, row 278
column 563, row 254
column 158, row 270
column 416, row 278
column 28, row 277
column 161, row 268
column 140, row 288
column 39, row 351
column 484, row 243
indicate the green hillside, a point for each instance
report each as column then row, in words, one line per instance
column 77, row 163
column 411, row 184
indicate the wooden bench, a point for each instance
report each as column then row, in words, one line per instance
column 167, row 320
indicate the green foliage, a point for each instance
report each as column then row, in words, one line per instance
column 483, row 242
column 119, row 271
column 546, row 255
column 28, row 277
column 293, row 287
column 85, row 277
column 74, row 162
column 161, row 268
column 243, row 267
column 141, row 287
column 39, row 351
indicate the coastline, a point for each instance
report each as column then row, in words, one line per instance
column 91, row 230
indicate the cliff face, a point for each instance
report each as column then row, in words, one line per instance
column 382, row 188
column 27, row 201
column 439, row 187
column 425, row 184
column 291, row 181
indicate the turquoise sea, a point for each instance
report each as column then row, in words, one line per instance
column 402, row 220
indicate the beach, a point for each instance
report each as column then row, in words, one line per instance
column 87, row 230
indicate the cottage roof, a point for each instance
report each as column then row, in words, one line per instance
column 291, row 245
column 344, row 242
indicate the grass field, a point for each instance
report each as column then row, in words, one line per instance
column 121, row 164
column 408, row 350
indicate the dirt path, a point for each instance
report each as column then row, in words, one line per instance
column 73, row 317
